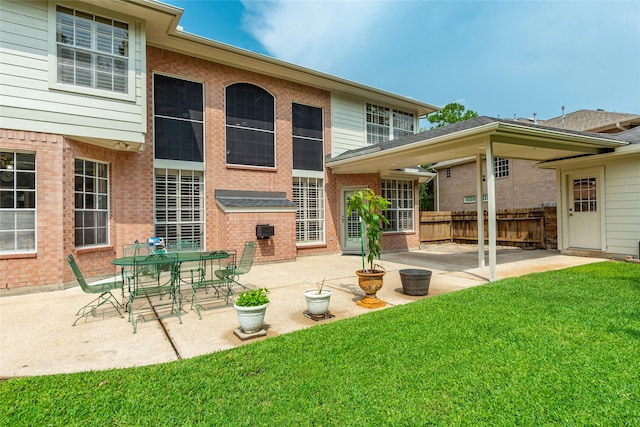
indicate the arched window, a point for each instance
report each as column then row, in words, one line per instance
column 250, row 125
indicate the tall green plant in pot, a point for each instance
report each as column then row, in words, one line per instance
column 369, row 207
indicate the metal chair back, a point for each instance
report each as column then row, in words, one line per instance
column 246, row 261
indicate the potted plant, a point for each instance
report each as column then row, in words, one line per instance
column 318, row 301
column 251, row 306
column 369, row 207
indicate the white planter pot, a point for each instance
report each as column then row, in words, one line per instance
column 318, row 304
column 251, row 318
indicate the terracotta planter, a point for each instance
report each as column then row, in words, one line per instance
column 370, row 283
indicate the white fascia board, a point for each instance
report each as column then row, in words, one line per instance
column 425, row 142
column 629, row 150
column 408, row 173
column 560, row 134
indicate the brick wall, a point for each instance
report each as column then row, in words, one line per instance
column 131, row 175
column 525, row 187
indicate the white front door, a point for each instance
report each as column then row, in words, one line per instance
column 584, row 210
column 351, row 242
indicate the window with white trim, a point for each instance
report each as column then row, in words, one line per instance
column 91, row 203
column 92, row 51
column 250, row 125
column 17, row 202
column 472, row 199
column 403, row 124
column 400, row 212
column 179, row 205
column 384, row 124
column 308, row 195
column 501, row 167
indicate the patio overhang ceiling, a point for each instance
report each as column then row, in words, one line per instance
column 468, row 139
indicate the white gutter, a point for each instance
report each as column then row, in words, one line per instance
column 417, row 144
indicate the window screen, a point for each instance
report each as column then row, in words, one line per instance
column 308, row 144
column 178, row 119
column 250, row 125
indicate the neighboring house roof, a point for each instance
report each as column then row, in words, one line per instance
column 594, row 121
column 631, row 136
column 469, row 138
column 236, row 199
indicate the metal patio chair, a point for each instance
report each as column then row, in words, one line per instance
column 155, row 275
column 233, row 271
column 205, row 278
column 102, row 288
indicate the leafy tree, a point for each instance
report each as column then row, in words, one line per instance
column 451, row 113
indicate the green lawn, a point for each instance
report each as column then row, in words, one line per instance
column 555, row 348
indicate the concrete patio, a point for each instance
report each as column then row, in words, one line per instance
column 36, row 336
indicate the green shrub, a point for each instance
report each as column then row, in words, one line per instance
column 253, row 298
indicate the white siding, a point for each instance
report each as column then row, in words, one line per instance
column 622, row 205
column 347, row 124
column 28, row 103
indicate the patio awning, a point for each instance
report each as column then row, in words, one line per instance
column 510, row 139
column 481, row 138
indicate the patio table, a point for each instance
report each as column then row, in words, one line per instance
column 151, row 267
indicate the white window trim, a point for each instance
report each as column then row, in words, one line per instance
column 108, row 240
column 413, row 209
column 323, row 239
column 35, row 210
column 53, row 54
column 391, row 127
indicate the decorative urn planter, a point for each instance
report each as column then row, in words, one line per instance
column 318, row 303
column 370, row 283
column 251, row 318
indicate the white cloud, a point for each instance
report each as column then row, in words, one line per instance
column 316, row 34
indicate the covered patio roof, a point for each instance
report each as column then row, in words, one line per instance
column 483, row 138
column 510, row 139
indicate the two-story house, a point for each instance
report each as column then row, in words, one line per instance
column 519, row 183
column 117, row 126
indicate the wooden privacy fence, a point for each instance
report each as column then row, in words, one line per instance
column 525, row 228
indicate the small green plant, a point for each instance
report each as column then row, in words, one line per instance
column 319, row 286
column 369, row 207
column 253, row 298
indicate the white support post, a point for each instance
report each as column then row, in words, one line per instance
column 480, row 211
column 491, row 194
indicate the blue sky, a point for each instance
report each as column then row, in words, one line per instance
column 498, row 58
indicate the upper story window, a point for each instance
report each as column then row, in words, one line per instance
column 178, row 111
column 17, row 202
column 308, row 145
column 403, row 124
column 250, row 125
column 400, row 212
column 501, row 167
column 384, row 124
column 91, row 203
column 92, row 51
